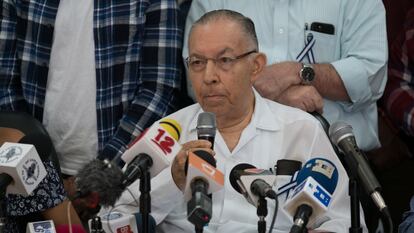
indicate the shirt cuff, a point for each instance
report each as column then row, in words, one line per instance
column 353, row 76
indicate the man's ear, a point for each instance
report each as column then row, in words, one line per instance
column 259, row 61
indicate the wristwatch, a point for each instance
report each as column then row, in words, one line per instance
column 307, row 74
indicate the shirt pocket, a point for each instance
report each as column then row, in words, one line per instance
column 325, row 49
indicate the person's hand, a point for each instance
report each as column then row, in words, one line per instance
column 70, row 186
column 178, row 166
column 86, row 207
column 304, row 97
column 276, row 78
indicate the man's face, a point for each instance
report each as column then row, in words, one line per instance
column 223, row 85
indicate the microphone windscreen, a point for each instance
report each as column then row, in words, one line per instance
column 322, row 170
column 41, row 142
column 235, row 174
column 76, row 228
column 102, row 177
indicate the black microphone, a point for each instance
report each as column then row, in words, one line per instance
column 342, row 136
column 206, row 127
column 287, row 167
column 136, row 168
column 252, row 182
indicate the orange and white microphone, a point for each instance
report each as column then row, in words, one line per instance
column 157, row 146
column 202, row 179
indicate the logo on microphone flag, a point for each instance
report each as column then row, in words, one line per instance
column 10, row 154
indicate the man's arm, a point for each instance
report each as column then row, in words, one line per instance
column 159, row 73
column 11, row 97
column 357, row 79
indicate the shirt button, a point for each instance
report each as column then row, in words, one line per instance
column 281, row 30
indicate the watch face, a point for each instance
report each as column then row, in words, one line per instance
column 308, row 74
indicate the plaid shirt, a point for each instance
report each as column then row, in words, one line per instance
column 137, row 59
column 399, row 92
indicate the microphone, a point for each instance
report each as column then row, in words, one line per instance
column 316, row 182
column 120, row 222
column 287, row 167
column 252, row 182
column 41, row 226
column 21, row 167
column 103, row 178
column 202, row 179
column 342, row 136
column 155, row 148
column 107, row 180
column 206, row 127
column 114, row 222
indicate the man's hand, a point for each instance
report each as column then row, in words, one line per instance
column 178, row 166
column 304, row 97
column 276, row 78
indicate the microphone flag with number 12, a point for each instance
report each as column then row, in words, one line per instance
column 160, row 142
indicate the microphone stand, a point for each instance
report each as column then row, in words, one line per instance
column 262, row 213
column 145, row 198
column 352, row 173
column 139, row 168
column 5, row 180
column 353, row 193
column 3, row 218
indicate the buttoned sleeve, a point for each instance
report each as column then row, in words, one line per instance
column 11, row 97
column 159, row 74
column 363, row 51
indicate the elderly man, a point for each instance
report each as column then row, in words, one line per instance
column 326, row 56
column 224, row 62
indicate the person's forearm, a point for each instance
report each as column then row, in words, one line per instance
column 59, row 214
column 329, row 83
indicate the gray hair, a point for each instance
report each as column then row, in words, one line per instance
column 245, row 23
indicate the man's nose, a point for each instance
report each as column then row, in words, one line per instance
column 211, row 72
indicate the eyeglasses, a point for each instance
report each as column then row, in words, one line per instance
column 197, row 64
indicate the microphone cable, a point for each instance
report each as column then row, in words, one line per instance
column 122, row 204
column 386, row 217
column 274, row 215
column 69, row 218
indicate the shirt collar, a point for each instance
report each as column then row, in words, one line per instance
column 263, row 118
